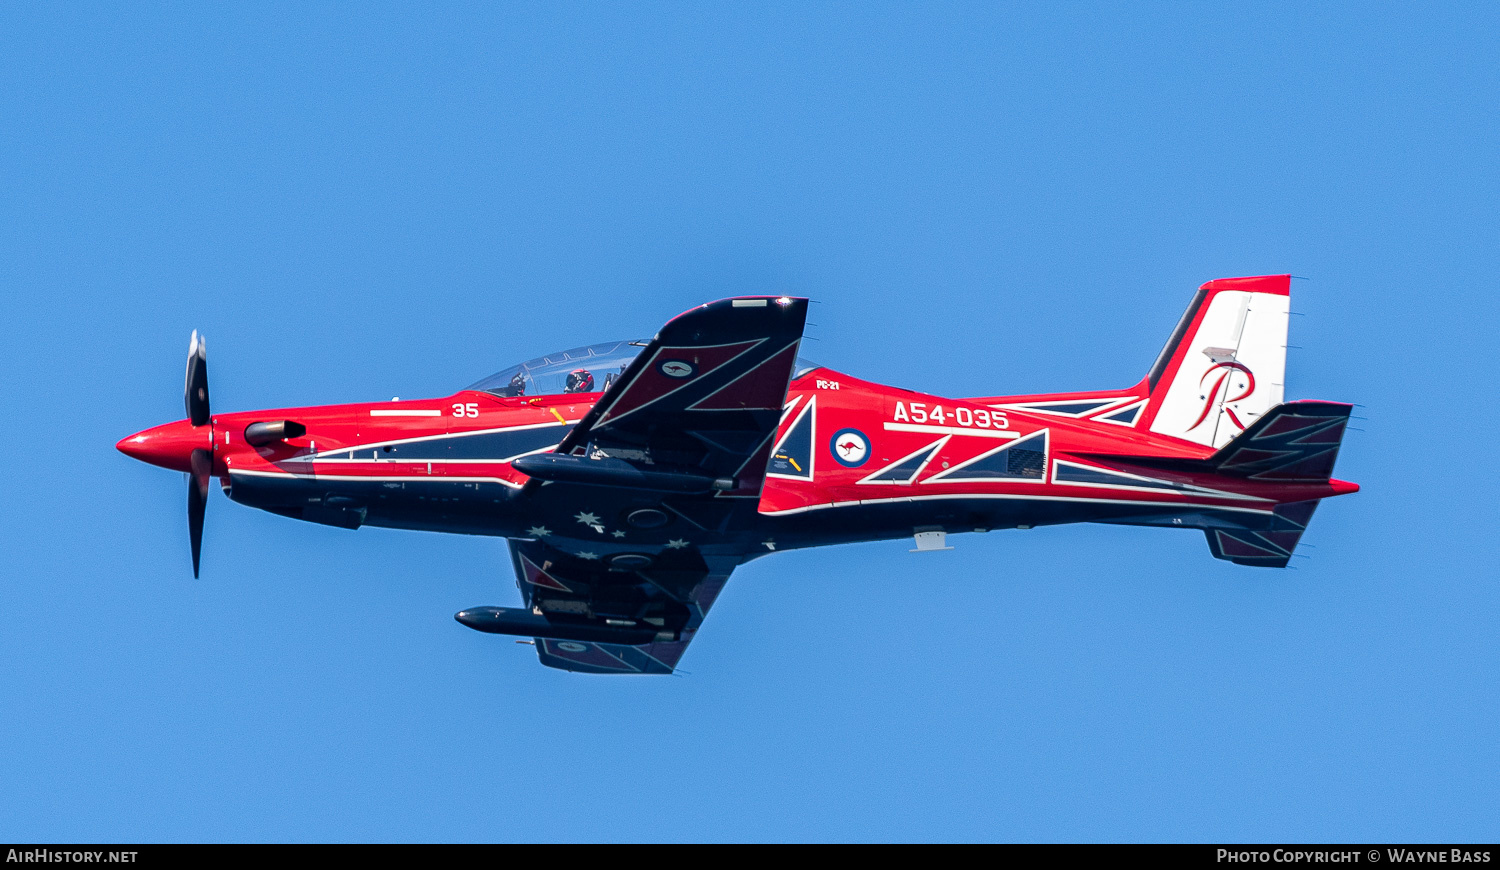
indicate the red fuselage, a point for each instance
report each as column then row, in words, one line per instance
column 446, row 465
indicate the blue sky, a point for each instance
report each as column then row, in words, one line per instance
column 356, row 203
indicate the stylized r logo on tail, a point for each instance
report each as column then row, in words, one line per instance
column 1225, row 369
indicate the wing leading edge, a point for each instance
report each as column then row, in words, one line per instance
column 704, row 398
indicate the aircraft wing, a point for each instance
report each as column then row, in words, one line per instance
column 685, row 430
column 609, row 622
column 704, row 398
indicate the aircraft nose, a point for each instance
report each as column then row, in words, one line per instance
column 170, row 445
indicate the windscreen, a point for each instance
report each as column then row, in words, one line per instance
column 589, row 369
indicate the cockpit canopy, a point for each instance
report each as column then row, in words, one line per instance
column 588, row 369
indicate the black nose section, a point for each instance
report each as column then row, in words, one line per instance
column 478, row 618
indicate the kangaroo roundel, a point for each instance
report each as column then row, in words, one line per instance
column 677, row 368
column 850, row 447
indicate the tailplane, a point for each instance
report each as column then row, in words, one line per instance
column 1295, row 443
column 1295, row 446
column 1264, row 548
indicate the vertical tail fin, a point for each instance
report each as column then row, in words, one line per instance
column 1225, row 364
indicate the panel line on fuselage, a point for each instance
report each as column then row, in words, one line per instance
column 894, row 474
column 1075, row 409
column 1113, row 478
column 965, row 472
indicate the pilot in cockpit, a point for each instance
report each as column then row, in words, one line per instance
column 579, row 381
column 517, row 386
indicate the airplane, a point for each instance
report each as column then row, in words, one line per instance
column 632, row 477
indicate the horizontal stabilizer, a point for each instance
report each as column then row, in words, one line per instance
column 1266, row 548
column 1297, row 442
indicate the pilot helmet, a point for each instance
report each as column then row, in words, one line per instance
column 579, row 381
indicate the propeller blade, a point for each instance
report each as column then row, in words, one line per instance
column 202, row 463
column 195, row 391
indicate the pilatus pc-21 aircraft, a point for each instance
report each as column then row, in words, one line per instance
column 633, row 477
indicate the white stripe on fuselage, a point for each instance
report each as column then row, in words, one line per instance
column 1018, row 497
column 321, row 456
column 419, row 478
column 951, row 430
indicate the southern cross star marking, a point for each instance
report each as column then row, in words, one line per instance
column 587, row 518
column 587, row 555
column 539, row 531
column 676, row 544
column 618, row 534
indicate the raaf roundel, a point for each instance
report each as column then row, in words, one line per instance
column 632, row 477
